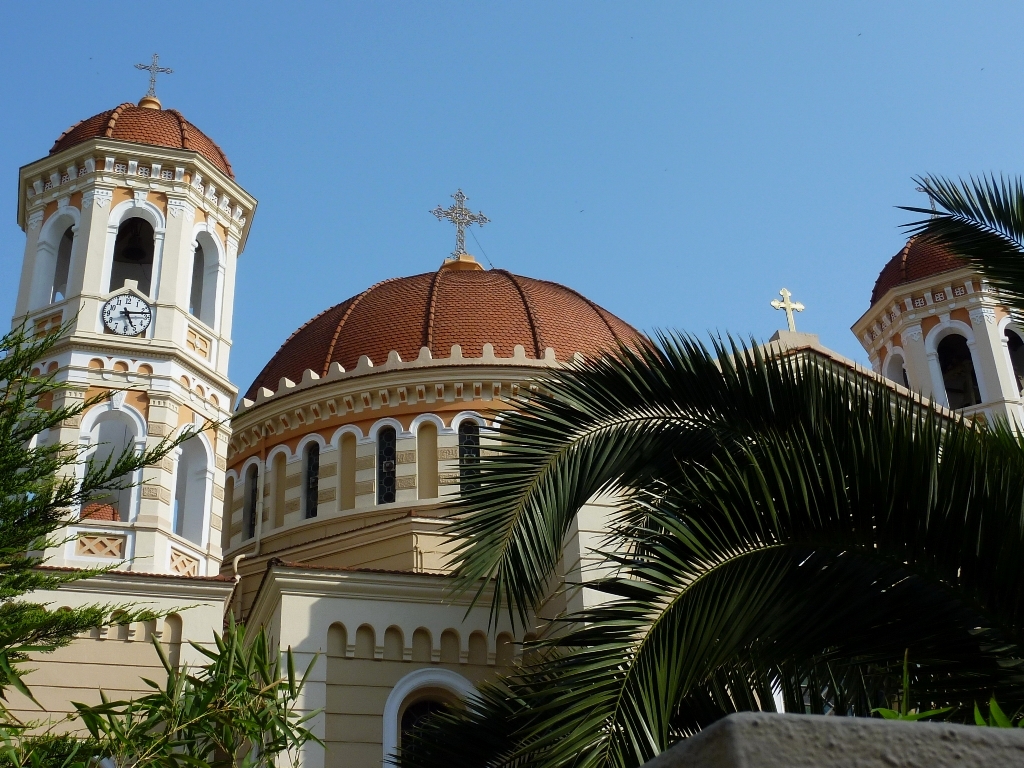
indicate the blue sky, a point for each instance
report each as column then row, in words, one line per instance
column 676, row 162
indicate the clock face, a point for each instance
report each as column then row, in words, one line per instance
column 126, row 314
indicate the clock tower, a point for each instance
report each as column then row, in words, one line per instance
column 134, row 224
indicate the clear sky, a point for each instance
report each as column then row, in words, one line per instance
column 676, row 162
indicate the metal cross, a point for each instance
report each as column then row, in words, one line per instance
column 461, row 217
column 789, row 306
column 153, row 69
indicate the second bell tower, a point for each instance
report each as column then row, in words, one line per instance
column 134, row 224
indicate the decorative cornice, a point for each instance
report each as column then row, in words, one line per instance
column 101, row 197
column 366, row 367
column 983, row 314
column 177, row 206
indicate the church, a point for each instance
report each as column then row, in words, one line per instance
column 313, row 507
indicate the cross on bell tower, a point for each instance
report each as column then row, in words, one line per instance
column 789, row 306
column 153, row 70
column 461, row 217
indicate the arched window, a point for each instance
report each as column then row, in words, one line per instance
column 112, row 434
column 133, row 254
column 252, row 490
column 311, row 479
column 347, row 472
column 958, row 373
column 59, row 289
column 191, row 490
column 896, row 370
column 469, row 453
column 225, row 520
column 386, row 465
column 426, row 460
column 1015, row 346
column 280, row 468
column 202, row 302
column 416, row 712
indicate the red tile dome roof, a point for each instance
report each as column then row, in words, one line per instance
column 919, row 258
column 145, row 125
column 439, row 309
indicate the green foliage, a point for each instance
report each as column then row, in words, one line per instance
column 904, row 712
column 996, row 717
column 786, row 524
column 38, row 492
column 212, row 716
column 981, row 220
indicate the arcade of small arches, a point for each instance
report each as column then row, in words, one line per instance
column 135, row 235
column 298, row 486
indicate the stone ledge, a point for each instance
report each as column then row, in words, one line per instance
column 763, row 740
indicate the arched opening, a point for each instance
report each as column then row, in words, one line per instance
column 112, row 434
column 414, row 697
column 386, row 440
column 347, row 472
column 338, row 697
column 190, row 490
column 311, row 480
column 450, row 646
column 417, row 710
column 62, row 268
column 505, row 650
column 958, row 373
column 1015, row 346
column 280, row 478
column 477, row 648
column 394, row 644
column 896, row 370
column 252, row 489
column 426, row 460
column 133, row 254
column 366, row 642
column 421, row 645
column 225, row 520
column 202, row 297
column 469, row 454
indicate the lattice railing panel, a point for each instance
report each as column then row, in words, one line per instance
column 100, row 545
column 184, row 565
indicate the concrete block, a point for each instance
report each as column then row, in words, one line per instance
column 768, row 740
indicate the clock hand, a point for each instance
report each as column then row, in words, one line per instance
column 128, row 315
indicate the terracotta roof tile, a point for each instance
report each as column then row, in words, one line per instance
column 440, row 309
column 919, row 258
column 141, row 125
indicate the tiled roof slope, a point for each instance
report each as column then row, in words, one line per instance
column 919, row 258
column 440, row 309
column 142, row 125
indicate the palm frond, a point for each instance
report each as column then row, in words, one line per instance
column 786, row 525
column 982, row 221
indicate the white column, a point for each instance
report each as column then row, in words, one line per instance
column 989, row 349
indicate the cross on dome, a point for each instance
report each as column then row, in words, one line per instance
column 789, row 306
column 153, row 69
column 461, row 217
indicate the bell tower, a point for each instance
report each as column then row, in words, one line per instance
column 134, row 224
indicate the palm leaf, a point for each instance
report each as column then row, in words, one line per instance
column 981, row 220
column 790, row 526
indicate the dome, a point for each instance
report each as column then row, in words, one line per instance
column 147, row 124
column 436, row 310
column 918, row 259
